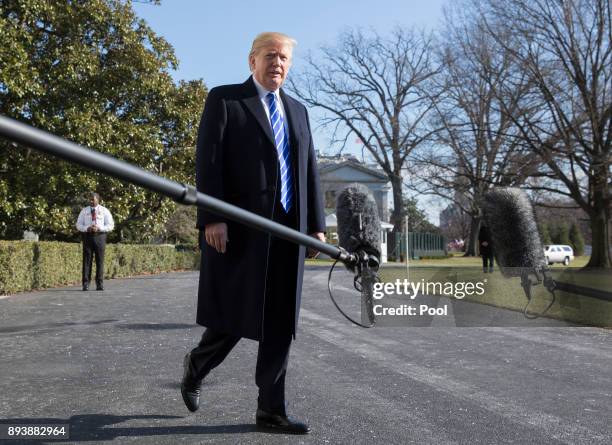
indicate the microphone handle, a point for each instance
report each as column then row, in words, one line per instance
column 368, row 278
column 584, row 291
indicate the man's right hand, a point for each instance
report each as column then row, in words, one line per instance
column 216, row 236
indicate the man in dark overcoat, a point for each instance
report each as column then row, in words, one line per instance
column 254, row 150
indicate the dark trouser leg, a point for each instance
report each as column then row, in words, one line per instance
column 210, row 352
column 487, row 263
column 272, row 359
column 87, row 259
column 99, row 243
column 279, row 313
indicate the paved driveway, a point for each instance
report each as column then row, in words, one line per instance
column 109, row 364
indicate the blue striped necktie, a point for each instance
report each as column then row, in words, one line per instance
column 282, row 148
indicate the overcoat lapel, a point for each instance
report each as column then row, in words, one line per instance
column 294, row 144
column 252, row 102
column 292, row 121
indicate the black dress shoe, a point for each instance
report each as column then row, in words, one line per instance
column 190, row 387
column 85, row 287
column 275, row 423
column 99, row 287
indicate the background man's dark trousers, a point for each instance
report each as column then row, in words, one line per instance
column 94, row 244
column 278, row 326
column 488, row 260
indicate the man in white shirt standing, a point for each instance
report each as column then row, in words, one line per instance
column 94, row 222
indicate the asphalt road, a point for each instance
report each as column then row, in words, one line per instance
column 109, row 365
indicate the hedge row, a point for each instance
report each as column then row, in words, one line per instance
column 26, row 265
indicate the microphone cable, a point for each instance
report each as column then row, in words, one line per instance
column 526, row 284
column 357, row 285
column 533, row 315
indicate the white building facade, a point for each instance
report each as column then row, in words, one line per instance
column 336, row 173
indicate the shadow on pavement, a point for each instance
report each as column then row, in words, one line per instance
column 41, row 327
column 92, row 427
column 61, row 289
column 156, row 326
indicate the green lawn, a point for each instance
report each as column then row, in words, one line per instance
column 460, row 260
column 325, row 262
column 508, row 293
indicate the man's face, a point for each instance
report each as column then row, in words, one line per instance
column 93, row 201
column 270, row 64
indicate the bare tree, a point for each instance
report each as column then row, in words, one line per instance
column 565, row 48
column 375, row 89
column 476, row 146
column 455, row 223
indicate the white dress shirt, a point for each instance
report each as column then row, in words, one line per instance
column 104, row 220
column 262, row 92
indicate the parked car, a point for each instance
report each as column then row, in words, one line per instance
column 558, row 253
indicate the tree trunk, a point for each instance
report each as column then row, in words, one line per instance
column 471, row 249
column 600, row 229
column 397, row 216
column 600, row 216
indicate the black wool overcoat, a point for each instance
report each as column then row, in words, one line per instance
column 236, row 161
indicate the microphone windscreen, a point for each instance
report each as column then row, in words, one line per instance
column 513, row 230
column 358, row 221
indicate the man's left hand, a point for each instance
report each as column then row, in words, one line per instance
column 312, row 253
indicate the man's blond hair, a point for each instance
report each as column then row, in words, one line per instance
column 265, row 38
